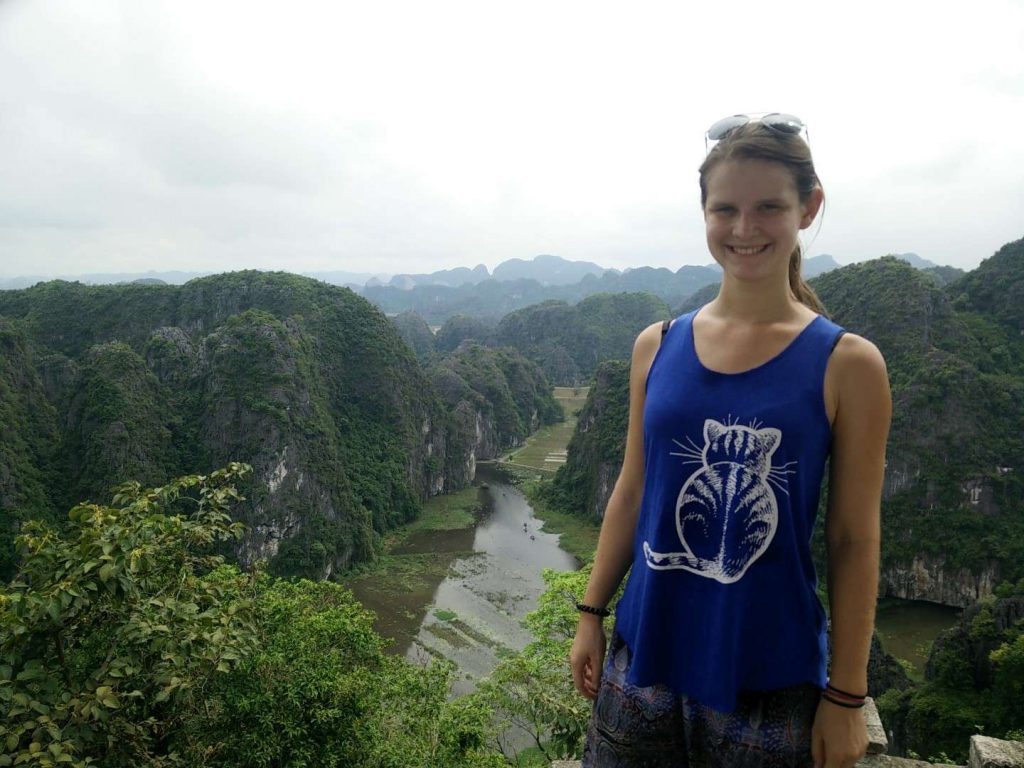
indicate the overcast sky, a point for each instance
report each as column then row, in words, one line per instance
column 382, row 136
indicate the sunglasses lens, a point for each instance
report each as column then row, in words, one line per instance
column 719, row 130
column 783, row 123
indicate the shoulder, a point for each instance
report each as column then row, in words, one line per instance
column 645, row 348
column 857, row 378
column 649, row 339
column 854, row 356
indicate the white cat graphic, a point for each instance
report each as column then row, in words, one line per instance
column 726, row 512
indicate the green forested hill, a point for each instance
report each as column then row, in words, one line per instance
column 954, row 493
column 416, row 333
column 584, row 483
column 307, row 382
column 28, row 429
column 568, row 342
column 996, row 287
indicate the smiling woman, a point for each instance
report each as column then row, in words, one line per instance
column 720, row 650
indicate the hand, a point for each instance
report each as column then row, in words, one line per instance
column 587, row 655
column 839, row 737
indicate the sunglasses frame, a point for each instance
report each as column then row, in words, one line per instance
column 780, row 122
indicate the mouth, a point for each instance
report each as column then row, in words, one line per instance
column 748, row 250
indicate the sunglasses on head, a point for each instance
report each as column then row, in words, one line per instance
column 779, row 122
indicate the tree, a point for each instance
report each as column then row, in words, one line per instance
column 111, row 631
column 533, row 690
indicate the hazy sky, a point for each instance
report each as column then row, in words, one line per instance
column 414, row 136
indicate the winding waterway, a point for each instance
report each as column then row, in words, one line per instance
column 494, row 579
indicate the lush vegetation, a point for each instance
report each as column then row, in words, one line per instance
column 307, row 382
column 460, row 328
column 582, row 485
column 28, row 429
column 569, row 342
column 417, row 334
column 127, row 642
column 974, row 683
column 958, row 416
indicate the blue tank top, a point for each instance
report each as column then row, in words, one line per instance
column 722, row 596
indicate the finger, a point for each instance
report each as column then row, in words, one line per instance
column 818, row 751
column 578, row 675
column 598, row 669
column 592, row 679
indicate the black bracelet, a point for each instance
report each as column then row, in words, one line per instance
column 839, row 703
column 829, row 686
column 602, row 612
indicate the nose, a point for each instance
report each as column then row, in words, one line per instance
column 744, row 225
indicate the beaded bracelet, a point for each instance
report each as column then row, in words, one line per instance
column 849, row 705
column 842, row 698
column 602, row 612
column 832, row 688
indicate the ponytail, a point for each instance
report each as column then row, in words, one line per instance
column 803, row 292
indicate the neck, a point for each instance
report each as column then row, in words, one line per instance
column 757, row 303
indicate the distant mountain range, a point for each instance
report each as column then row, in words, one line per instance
column 546, row 270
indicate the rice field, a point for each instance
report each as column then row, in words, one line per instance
column 545, row 450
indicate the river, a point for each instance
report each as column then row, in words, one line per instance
column 494, row 579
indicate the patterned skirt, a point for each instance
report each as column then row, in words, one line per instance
column 634, row 727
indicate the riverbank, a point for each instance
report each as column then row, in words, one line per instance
column 399, row 585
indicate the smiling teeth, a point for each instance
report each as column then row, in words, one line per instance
column 749, row 251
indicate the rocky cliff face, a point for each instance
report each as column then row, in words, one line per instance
column 307, row 382
column 930, row 578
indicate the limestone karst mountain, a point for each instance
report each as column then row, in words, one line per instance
column 308, row 383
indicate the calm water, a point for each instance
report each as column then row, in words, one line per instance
column 908, row 627
column 476, row 611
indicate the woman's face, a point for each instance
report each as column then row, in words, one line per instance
column 753, row 216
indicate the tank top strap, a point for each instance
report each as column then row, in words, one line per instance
column 820, row 339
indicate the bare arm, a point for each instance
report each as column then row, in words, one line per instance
column 615, row 544
column 852, row 525
column 863, row 409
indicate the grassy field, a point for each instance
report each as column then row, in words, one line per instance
column 447, row 512
column 545, row 449
column 450, row 512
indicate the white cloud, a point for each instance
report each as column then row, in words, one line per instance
column 408, row 137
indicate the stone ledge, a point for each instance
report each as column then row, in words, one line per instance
column 987, row 752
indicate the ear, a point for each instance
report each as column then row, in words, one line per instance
column 770, row 439
column 812, row 206
column 712, row 430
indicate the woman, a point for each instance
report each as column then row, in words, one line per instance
column 720, row 647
